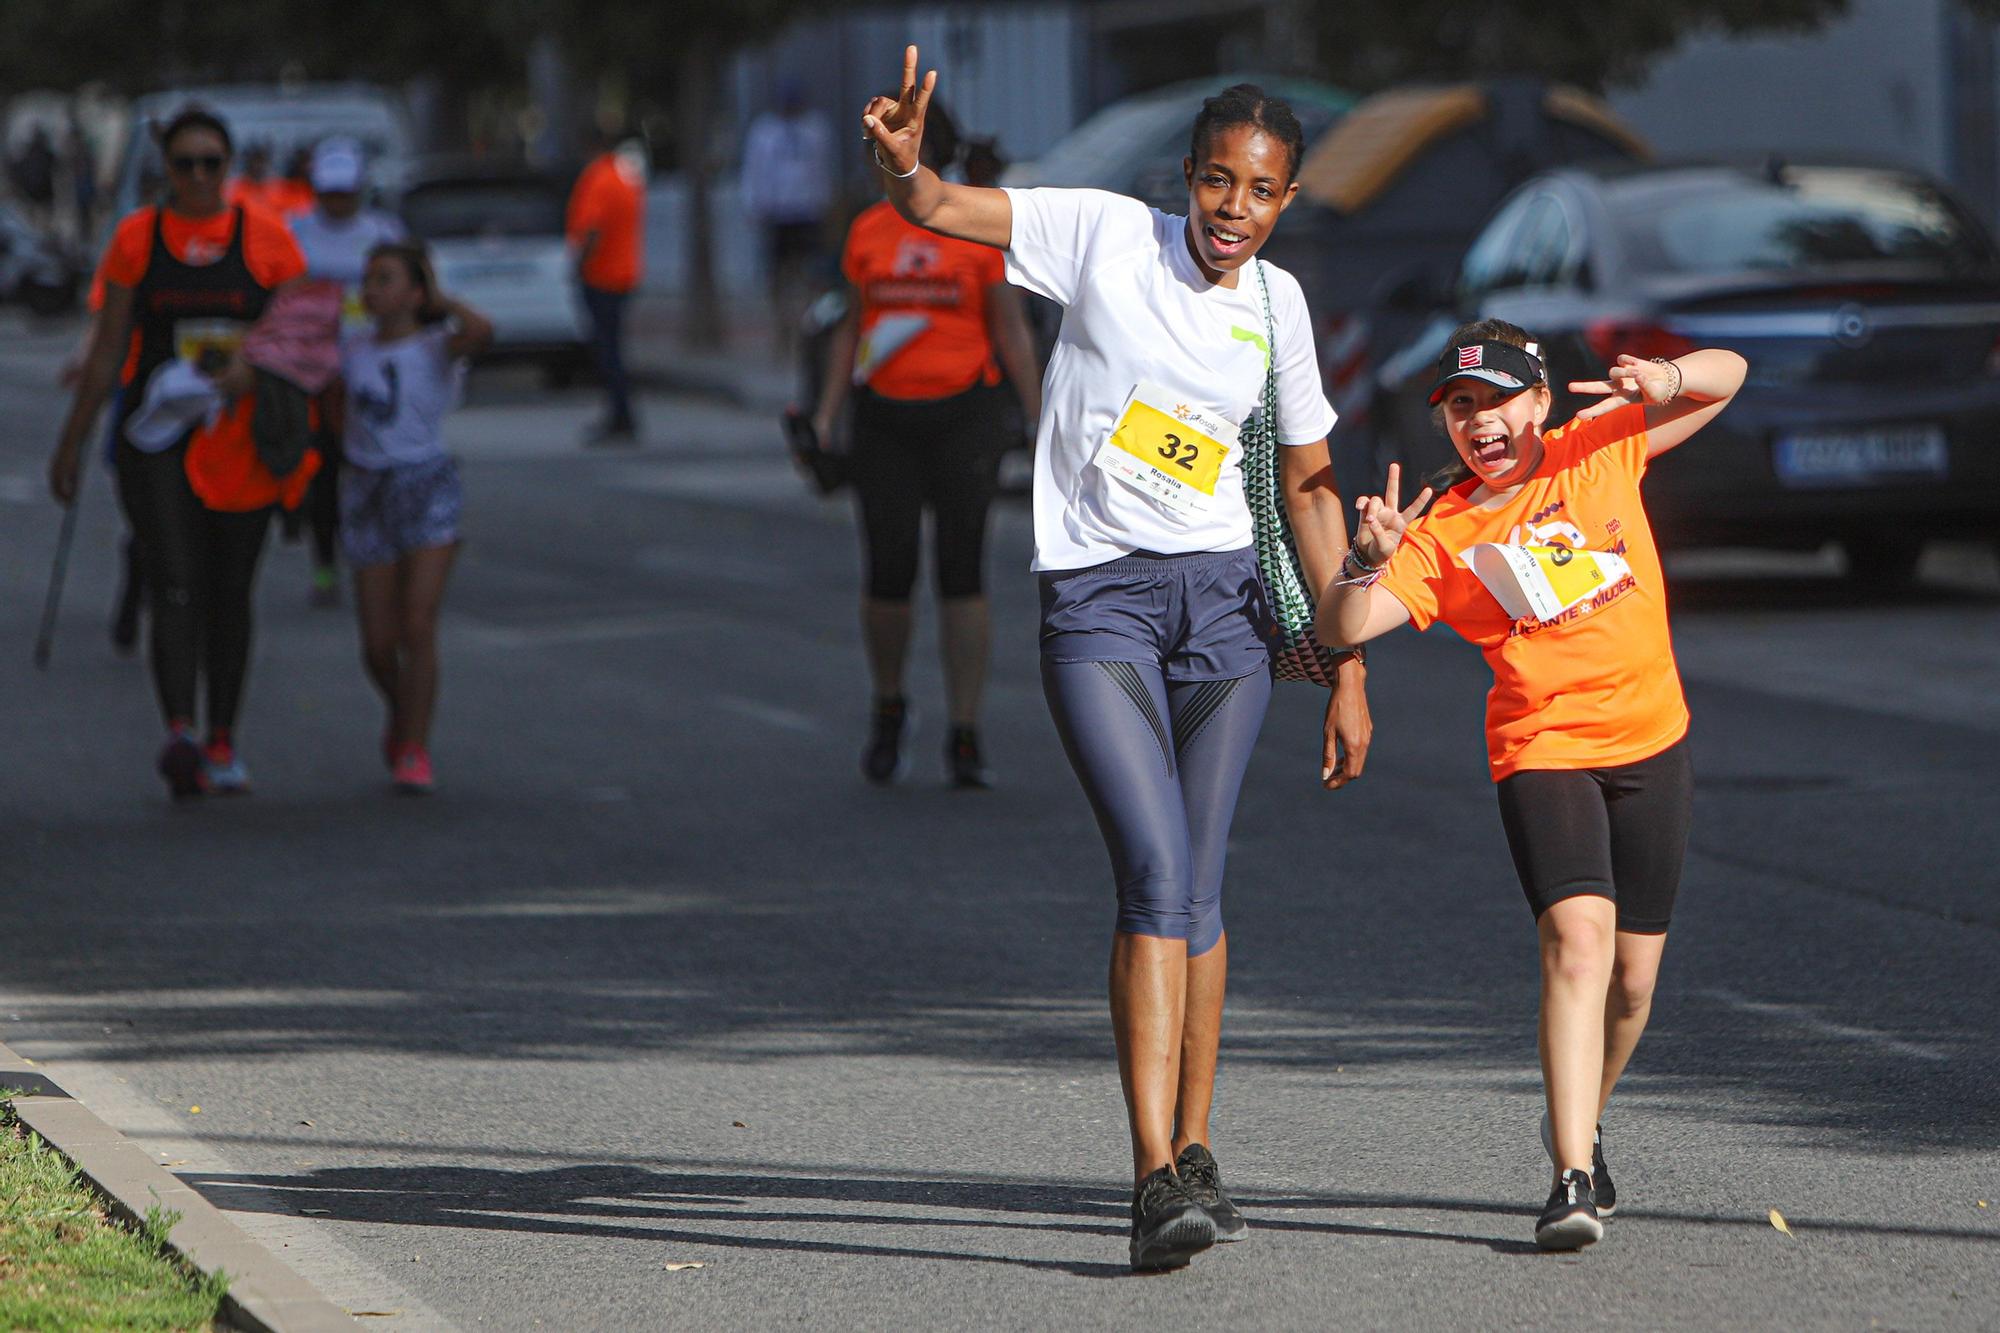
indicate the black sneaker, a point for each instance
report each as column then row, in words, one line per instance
column 1168, row 1226
column 1600, row 1174
column 883, row 759
column 1203, row 1178
column 962, row 757
column 1570, row 1221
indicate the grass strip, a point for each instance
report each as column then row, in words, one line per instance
column 65, row 1265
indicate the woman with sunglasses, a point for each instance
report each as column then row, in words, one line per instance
column 183, row 280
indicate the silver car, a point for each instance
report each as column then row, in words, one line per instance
column 496, row 239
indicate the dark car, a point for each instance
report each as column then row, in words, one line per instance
column 1389, row 199
column 1866, row 299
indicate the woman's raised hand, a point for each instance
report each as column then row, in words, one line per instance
column 896, row 128
column 1380, row 530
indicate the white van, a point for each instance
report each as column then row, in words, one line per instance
column 284, row 118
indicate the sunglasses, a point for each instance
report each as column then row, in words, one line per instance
column 189, row 163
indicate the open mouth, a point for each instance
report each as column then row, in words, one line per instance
column 1489, row 451
column 1224, row 241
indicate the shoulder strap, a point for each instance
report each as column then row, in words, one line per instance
column 1270, row 402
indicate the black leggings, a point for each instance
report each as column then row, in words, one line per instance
column 1619, row 833
column 201, row 566
column 323, row 501
column 1162, row 762
column 940, row 452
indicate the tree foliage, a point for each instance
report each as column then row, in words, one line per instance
column 1370, row 44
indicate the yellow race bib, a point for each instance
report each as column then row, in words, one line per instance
column 1168, row 449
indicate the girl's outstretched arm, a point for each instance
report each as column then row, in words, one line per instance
column 1352, row 609
column 1681, row 396
column 894, row 130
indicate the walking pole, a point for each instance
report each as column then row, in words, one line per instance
column 45, row 641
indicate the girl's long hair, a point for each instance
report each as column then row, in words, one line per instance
column 416, row 261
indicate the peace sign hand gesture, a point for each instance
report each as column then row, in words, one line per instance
column 1632, row 380
column 1382, row 524
column 895, row 128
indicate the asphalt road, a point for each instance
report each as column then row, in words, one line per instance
column 655, row 980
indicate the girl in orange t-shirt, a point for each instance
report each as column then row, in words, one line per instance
column 1542, row 557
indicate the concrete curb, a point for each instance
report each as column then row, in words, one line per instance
column 264, row 1296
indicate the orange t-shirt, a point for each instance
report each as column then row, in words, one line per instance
column 1594, row 684
column 923, row 307
column 222, row 462
column 611, row 204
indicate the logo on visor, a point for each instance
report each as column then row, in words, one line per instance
column 1470, row 357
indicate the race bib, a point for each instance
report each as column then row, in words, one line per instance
column 1168, row 449
column 353, row 314
column 207, row 343
column 1542, row 582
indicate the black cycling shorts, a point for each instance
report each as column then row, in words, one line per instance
column 1619, row 833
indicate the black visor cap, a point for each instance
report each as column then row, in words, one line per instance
column 1502, row 365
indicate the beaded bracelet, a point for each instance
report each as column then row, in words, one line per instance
column 1680, row 377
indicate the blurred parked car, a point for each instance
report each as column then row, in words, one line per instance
column 34, row 269
column 283, row 118
column 1867, row 301
column 1388, row 201
column 1135, row 145
column 496, row 239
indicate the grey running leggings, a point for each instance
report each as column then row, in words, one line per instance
column 1162, row 762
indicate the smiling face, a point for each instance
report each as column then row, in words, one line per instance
column 1496, row 431
column 197, row 164
column 1236, row 191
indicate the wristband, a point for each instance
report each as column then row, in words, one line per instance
column 1341, row 656
column 1680, row 377
column 875, row 151
column 1361, row 566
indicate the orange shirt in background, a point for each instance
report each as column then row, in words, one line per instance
column 612, row 203
column 923, row 307
column 274, row 194
column 1595, row 685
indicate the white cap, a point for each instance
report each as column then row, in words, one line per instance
column 177, row 396
column 336, row 166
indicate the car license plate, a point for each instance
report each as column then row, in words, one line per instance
column 1861, row 457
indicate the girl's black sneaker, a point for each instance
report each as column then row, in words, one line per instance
column 1600, row 1174
column 963, row 758
column 1203, row 1178
column 1570, row 1221
column 1168, row 1226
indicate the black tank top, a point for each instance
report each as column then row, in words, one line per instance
column 173, row 293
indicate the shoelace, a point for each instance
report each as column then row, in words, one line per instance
column 1160, row 1187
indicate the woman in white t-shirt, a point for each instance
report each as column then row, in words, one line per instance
column 1154, row 617
column 399, row 494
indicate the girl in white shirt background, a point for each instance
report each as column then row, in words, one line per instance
column 1154, row 615
column 399, row 494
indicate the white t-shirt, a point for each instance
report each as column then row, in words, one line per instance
column 336, row 250
column 397, row 396
column 1137, row 308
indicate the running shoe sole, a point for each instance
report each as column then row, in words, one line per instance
column 1569, row 1233
column 1175, row 1243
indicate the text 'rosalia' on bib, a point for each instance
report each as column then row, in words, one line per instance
column 1168, row 449
column 1542, row 582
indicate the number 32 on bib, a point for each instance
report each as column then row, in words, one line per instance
column 1168, row 449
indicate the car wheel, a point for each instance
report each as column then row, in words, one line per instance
column 49, row 300
column 560, row 372
column 1883, row 564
